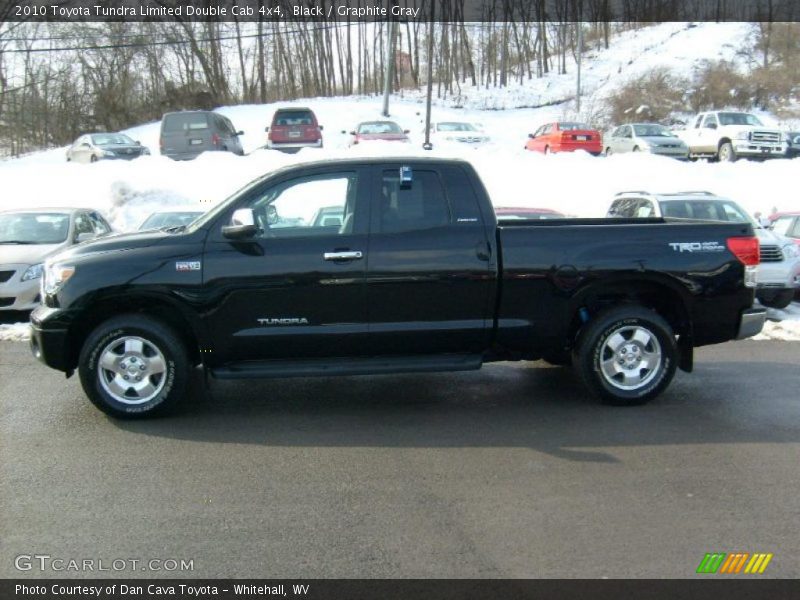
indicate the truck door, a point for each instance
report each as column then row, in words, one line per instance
column 430, row 275
column 296, row 289
column 708, row 133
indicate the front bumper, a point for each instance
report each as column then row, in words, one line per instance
column 746, row 148
column 751, row 322
column 16, row 294
column 778, row 275
column 293, row 145
column 49, row 341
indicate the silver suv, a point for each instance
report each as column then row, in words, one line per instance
column 779, row 271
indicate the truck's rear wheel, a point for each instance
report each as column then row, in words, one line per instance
column 627, row 355
column 133, row 366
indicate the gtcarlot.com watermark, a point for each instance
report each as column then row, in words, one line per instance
column 57, row 564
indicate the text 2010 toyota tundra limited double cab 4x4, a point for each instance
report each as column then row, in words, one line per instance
column 408, row 272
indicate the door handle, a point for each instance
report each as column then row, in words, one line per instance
column 344, row 255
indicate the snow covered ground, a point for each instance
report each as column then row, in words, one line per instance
column 576, row 184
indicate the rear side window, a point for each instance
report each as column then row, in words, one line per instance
column 420, row 205
column 293, row 117
column 185, row 121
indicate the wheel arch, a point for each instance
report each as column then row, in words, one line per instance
column 658, row 294
column 155, row 307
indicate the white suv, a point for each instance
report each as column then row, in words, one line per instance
column 779, row 271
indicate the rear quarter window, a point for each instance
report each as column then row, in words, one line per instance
column 185, row 122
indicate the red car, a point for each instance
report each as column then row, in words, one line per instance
column 788, row 224
column 511, row 213
column 294, row 128
column 388, row 131
column 565, row 136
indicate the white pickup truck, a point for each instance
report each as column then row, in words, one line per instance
column 727, row 135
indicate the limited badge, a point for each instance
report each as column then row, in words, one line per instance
column 187, row 265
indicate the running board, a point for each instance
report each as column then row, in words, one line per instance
column 326, row 367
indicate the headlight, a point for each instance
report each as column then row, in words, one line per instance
column 33, row 272
column 55, row 276
column 108, row 153
column 791, row 251
column 743, row 135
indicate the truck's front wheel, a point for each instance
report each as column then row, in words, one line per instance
column 726, row 153
column 627, row 355
column 133, row 366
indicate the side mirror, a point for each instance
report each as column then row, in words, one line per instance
column 406, row 131
column 531, row 136
column 243, row 225
column 240, row 133
column 84, row 237
column 320, row 127
column 138, row 142
column 266, row 128
column 272, row 215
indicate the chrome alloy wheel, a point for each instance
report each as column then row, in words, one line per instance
column 630, row 358
column 132, row 370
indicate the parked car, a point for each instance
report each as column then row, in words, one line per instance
column 793, row 141
column 175, row 218
column 328, row 216
column 457, row 132
column 370, row 131
column 92, row 147
column 411, row 281
column 28, row 237
column 787, row 224
column 293, row 129
column 728, row 135
column 511, row 213
column 565, row 136
column 187, row 134
column 645, row 137
column 779, row 270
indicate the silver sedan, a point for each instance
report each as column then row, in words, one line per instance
column 645, row 137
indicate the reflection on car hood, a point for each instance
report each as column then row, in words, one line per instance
column 26, row 254
column 766, row 236
column 117, row 241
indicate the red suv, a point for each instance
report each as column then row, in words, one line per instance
column 292, row 129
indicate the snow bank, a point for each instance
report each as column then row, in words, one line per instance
column 15, row 332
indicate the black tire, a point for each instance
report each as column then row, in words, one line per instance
column 726, row 153
column 609, row 152
column 547, row 149
column 591, row 351
column 636, row 149
column 169, row 385
column 93, row 158
column 776, row 298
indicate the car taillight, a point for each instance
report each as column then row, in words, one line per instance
column 215, row 139
column 746, row 249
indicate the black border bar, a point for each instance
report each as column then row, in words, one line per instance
column 733, row 588
column 404, row 10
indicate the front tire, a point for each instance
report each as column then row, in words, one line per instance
column 134, row 367
column 726, row 153
column 776, row 298
column 627, row 355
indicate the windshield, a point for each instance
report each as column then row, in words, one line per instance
column 732, row 118
column 379, row 127
column 456, row 127
column 33, row 228
column 158, row 220
column 652, row 131
column 572, row 126
column 108, row 139
column 708, row 210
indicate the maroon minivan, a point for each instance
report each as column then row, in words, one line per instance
column 294, row 128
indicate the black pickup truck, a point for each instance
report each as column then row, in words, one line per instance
column 370, row 266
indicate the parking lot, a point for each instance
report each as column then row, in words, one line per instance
column 506, row 472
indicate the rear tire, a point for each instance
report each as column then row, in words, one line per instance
column 547, row 149
column 133, row 367
column 93, row 158
column 608, row 152
column 626, row 355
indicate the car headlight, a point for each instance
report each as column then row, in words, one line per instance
column 33, row 272
column 55, row 276
column 108, row 153
column 743, row 135
column 791, row 251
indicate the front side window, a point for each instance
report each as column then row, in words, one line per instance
column 307, row 206
column 710, row 121
column 415, row 205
